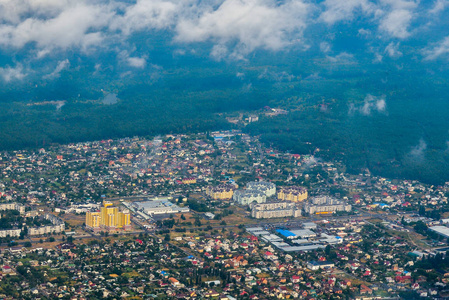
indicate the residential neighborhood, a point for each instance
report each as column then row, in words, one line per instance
column 213, row 216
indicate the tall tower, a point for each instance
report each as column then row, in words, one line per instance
column 93, row 219
column 111, row 217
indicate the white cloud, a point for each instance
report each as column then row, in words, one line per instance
column 340, row 10
column 13, row 11
column 276, row 76
column 377, row 58
column 393, row 16
column 219, row 52
column 341, row 58
column 439, row 6
column 147, row 14
column 325, row 47
column 137, row 62
column 392, row 50
column 381, row 105
column 417, row 152
column 249, row 23
column 8, row 74
column 62, row 65
column 132, row 61
column 235, row 27
column 364, row 32
column 314, row 76
column 396, row 23
column 370, row 104
column 244, row 25
column 398, row 15
column 439, row 49
column 74, row 24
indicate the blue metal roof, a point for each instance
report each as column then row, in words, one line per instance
column 285, row 233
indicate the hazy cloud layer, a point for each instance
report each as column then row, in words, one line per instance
column 234, row 27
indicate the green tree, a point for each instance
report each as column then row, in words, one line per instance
column 167, row 237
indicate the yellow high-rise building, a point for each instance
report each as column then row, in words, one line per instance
column 292, row 193
column 123, row 219
column 93, row 219
column 108, row 217
column 220, row 192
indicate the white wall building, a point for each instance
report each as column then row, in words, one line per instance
column 245, row 197
column 12, row 206
column 57, row 226
column 325, row 204
column 268, row 188
column 275, row 210
column 10, row 233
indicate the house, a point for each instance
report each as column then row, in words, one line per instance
column 211, row 293
column 174, row 282
column 295, row 279
column 316, row 265
column 365, row 290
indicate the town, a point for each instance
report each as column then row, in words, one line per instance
column 216, row 215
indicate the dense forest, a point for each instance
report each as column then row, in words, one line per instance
column 394, row 133
column 390, row 118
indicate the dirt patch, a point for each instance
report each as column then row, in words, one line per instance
column 74, row 220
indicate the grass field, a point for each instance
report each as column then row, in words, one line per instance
column 73, row 220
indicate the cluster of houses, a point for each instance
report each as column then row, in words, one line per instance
column 311, row 263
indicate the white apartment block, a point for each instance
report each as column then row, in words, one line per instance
column 268, row 188
column 326, row 204
column 245, row 197
column 12, row 206
column 10, row 233
column 275, row 210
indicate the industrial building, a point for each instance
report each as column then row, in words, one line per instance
column 441, row 230
column 303, row 233
column 298, row 239
column 158, row 206
column 292, row 193
column 325, row 205
column 275, row 210
column 309, row 225
column 286, row 233
column 257, row 231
